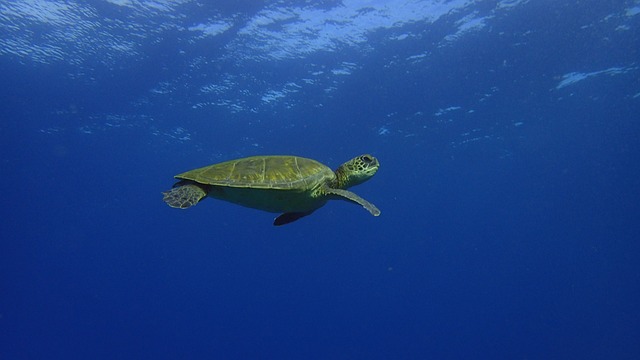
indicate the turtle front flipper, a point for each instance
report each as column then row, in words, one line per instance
column 184, row 195
column 349, row 196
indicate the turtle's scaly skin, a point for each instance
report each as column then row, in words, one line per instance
column 184, row 195
column 290, row 185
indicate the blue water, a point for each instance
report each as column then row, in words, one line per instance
column 507, row 133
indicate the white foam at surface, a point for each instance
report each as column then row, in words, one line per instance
column 76, row 33
column 308, row 30
column 574, row 77
column 633, row 11
column 212, row 29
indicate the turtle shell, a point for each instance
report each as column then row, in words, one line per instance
column 263, row 172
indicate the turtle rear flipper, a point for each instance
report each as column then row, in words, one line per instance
column 289, row 217
column 349, row 196
column 184, row 196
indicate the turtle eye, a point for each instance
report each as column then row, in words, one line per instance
column 366, row 158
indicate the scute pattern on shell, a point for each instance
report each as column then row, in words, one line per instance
column 263, row 172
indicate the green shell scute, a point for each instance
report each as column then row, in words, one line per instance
column 263, row 172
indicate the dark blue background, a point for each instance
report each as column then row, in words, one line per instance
column 522, row 243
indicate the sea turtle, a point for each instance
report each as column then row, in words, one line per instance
column 290, row 185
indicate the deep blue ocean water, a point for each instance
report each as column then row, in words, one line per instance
column 507, row 133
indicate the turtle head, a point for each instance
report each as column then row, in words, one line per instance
column 356, row 171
